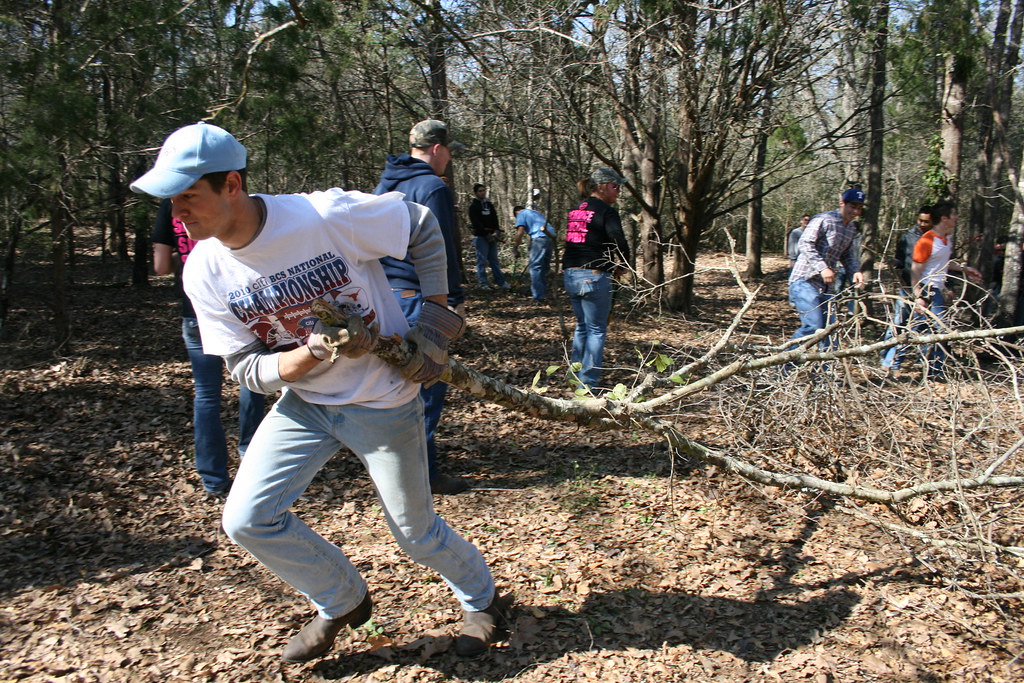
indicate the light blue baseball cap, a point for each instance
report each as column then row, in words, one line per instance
column 187, row 155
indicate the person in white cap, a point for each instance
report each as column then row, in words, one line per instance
column 532, row 222
column 260, row 261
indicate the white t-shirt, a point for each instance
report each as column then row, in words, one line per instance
column 934, row 252
column 320, row 245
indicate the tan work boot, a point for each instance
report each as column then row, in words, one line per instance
column 481, row 629
column 318, row 636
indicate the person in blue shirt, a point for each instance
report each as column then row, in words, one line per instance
column 542, row 245
column 417, row 174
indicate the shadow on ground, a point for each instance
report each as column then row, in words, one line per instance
column 618, row 621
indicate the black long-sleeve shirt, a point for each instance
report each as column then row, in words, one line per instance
column 482, row 217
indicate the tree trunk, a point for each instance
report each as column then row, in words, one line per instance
column 646, row 164
column 987, row 161
column 755, row 210
column 140, row 262
column 10, row 258
column 642, row 125
column 437, row 64
column 58, row 262
column 1006, row 55
column 954, row 90
column 1010, row 287
column 694, row 166
column 652, row 258
column 680, row 289
column 755, row 228
column 876, row 115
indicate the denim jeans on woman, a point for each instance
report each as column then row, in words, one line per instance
column 295, row 441
column 590, row 294
column 210, row 444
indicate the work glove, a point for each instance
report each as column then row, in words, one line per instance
column 427, row 343
column 354, row 340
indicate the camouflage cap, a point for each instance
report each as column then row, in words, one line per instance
column 433, row 132
column 603, row 174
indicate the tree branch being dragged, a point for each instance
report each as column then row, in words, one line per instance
column 607, row 414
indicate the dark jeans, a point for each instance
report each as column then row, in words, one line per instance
column 891, row 357
column 540, row 265
column 433, row 397
column 210, row 443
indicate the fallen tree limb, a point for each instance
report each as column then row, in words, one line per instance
column 606, row 414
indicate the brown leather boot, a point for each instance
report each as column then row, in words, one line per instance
column 318, row 636
column 481, row 629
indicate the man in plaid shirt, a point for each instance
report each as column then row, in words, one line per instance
column 827, row 240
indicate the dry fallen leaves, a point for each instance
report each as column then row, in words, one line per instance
column 112, row 566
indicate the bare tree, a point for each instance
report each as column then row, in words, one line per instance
column 1013, row 259
column 1001, row 58
column 876, row 116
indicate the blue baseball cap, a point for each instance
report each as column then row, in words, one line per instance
column 854, row 194
column 187, row 155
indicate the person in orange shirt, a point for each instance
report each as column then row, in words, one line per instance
column 932, row 262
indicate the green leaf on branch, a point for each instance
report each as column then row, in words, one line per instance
column 618, row 393
column 536, row 384
column 661, row 362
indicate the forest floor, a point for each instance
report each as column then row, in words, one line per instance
column 626, row 566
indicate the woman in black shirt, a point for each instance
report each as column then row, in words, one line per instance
column 595, row 250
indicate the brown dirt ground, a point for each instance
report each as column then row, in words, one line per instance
column 624, row 567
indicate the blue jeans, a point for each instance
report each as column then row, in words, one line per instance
column 487, row 255
column 433, row 396
column 295, row 441
column 934, row 354
column 210, row 443
column 540, row 265
column 814, row 306
column 891, row 357
column 590, row 294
